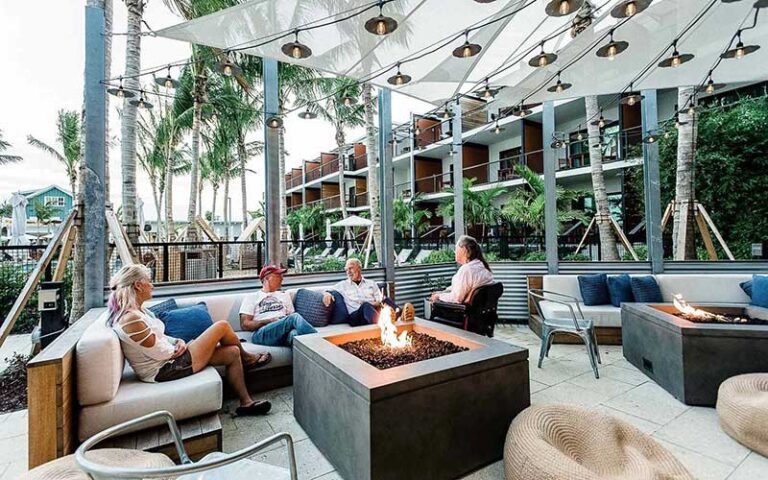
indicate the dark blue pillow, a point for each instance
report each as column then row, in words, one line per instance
column 646, row 290
column 620, row 289
column 594, row 289
column 747, row 287
column 759, row 291
column 340, row 313
column 163, row 307
column 187, row 323
column 309, row 304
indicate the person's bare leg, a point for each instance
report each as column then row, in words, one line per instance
column 230, row 357
column 203, row 347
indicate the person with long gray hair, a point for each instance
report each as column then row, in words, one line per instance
column 156, row 357
column 473, row 273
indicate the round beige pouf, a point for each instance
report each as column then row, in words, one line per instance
column 66, row 468
column 742, row 405
column 553, row 442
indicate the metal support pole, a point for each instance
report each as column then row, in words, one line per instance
column 650, row 121
column 272, row 162
column 412, row 167
column 94, row 221
column 550, row 186
column 386, row 185
column 458, row 173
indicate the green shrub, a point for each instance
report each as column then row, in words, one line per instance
column 535, row 257
column 640, row 250
column 330, row 264
column 441, row 256
column 577, row 257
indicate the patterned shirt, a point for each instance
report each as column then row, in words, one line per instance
column 470, row 276
column 355, row 294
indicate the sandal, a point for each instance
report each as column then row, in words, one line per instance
column 259, row 407
column 264, row 358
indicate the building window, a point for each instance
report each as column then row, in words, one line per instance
column 55, row 201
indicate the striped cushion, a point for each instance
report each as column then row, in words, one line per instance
column 594, row 289
column 646, row 290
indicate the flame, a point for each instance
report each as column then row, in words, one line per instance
column 686, row 309
column 389, row 335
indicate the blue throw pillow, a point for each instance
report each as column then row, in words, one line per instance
column 163, row 307
column 747, row 287
column 340, row 313
column 594, row 289
column 620, row 289
column 309, row 304
column 760, row 291
column 187, row 323
column 646, row 290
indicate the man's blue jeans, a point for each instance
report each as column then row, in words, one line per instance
column 282, row 332
column 368, row 314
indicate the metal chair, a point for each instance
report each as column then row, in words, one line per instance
column 187, row 467
column 579, row 326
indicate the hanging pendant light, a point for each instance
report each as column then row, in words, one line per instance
column 487, row 93
column 497, row 129
column 467, row 49
column 307, row 114
column 740, row 50
column 417, row 130
column 600, row 122
column 631, row 99
column 521, row 111
column 381, row 24
column 650, row 138
column 485, row 1
column 275, row 121
column 676, row 59
column 579, row 136
column 398, row 79
column 542, row 59
column 629, row 8
column 612, row 48
column 560, row 8
column 141, row 103
column 710, row 87
column 446, row 113
column 296, row 49
column 228, row 68
column 168, row 82
column 559, row 86
column 348, row 100
column 120, row 92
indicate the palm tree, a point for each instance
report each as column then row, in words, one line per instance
column 43, row 212
column 608, row 248
column 405, row 215
column 525, row 205
column 372, row 151
column 478, row 204
column 69, row 138
column 683, row 243
column 4, row 157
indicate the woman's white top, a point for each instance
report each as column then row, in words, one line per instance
column 470, row 276
column 145, row 361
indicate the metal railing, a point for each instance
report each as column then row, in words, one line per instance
column 16, row 265
column 434, row 183
column 329, row 167
column 313, row 174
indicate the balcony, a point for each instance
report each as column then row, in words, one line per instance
column 434, row 183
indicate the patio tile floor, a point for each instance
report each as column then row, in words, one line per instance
column 691, row 433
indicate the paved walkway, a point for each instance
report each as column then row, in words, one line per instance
column 691, row 433
column 14, row 344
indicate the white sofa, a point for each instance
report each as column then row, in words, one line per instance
column 720, row 289
column 109, row 393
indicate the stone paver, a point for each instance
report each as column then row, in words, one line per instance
column 692, row 434
column 14, row 344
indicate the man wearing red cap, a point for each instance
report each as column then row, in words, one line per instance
column 269, row 313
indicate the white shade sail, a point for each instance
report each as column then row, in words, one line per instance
column 511, row 35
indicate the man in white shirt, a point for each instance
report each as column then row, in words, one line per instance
column 362, row 297
column 269, row 312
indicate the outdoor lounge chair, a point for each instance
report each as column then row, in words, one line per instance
column 324, row 253
column 402, row 257
column 338, row 253
column 478, row 316
column 421, row 256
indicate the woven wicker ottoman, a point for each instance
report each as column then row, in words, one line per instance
column 551, row 442
column 742, row 405
column 65, row 468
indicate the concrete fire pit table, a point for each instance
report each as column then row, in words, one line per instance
column 435, row 419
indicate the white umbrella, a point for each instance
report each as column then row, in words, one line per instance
column 328, row 232
column 353, row 221
column 19, row 220
column 140, row 207
column 301, row 231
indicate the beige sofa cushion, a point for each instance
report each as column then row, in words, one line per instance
column 565, row 284
column 704, row 288
column 100, row 363
column 188, row 397
column 601, row 315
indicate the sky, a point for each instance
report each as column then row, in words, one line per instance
column 43, row 60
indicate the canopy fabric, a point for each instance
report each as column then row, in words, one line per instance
column 346, row 49
column 353, row 221
column 19, row 220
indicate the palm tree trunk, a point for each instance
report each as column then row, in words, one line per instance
column 213, row 207
column 107, row 5
column 373, row 168
column 683, row 244
column 340, row 143
column 132, row 68
column 200, row 189
column 243, row 157
column 199, row 95
column 170, row 227
column 284, row 228
column 226, row 207
column 602, row 216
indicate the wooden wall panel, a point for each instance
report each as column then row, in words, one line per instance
column 427, row 167
column 475, row 154
column 533, row 142
column 312, row 194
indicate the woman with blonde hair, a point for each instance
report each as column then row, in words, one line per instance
column 156, row 357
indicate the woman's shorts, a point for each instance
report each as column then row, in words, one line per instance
column 175, row 369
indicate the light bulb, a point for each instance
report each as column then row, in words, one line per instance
column 381, row 27
column 601, row 123
column 564, row 8
column 580, row 137
column 168, row 83
column 631, row 100
column 630, row 9
column 543, row 61
column 120, row 92
column 466, row 52
column 739, row 51
column 666, row 134
column 296, row 52
column 559, row 87
column 612, row 53
column 228, row 70
column 710, row 87
column 651, row 139
column 418, row 131
column 497, row 130
column 141, row 102
column 691, row 110
column 488, row 94
column 347, row 101
column 676, row 59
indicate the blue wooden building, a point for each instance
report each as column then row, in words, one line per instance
column 54, row 195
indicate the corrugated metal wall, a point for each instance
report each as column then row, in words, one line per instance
column 513, row 306
column 412, row 282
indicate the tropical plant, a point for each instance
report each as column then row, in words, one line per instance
column 525, row 205
column 312, row 217
column 479, row 208
column 405, row 215
column 43, row 212
column 69, row 138
column 6, row 158
column 441, row 256
column 6, row 210
column 602, row 217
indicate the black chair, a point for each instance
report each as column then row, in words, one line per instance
column 478, row 316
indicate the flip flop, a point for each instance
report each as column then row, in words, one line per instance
column 259, row 407
column 260, row 362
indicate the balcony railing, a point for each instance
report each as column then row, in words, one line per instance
column 434, row 183
column 330, row 167
column 359, row 200
column 313, row 174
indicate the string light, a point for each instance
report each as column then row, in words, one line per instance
column 228, row 68
column 632, row 98
column 381, row 24
column 521, row 111
column 629, row 8
column 711, row 87
column 296, row 49
column 467, row 50
column 559, row 86
column 650, row 138
column 307, row 114
column 488, row 93
column 348, row 100
column 740, row 50
column 676, row 59
column 168, row 82
column 560, row 8
column 398, row 79
column 141, row 103
column 542, row 59
column 120, row 92
column 497, row 129
column 612, row 48
column 600, row 122
column 446, row 113
column 275, row 121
